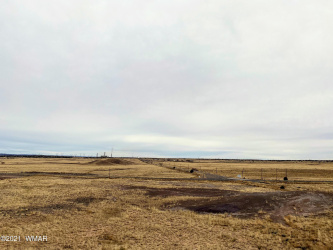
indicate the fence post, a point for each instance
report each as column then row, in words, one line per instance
column 261, row 173
column 109, row 174
column 242, row 173
column 276, row 174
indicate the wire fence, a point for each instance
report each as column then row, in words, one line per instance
column 278, row 174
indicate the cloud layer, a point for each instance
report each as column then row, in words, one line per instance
column 222, row 79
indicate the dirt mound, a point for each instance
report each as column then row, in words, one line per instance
column 112, row 161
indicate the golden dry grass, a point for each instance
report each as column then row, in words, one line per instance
column 85, row 166
column 268, row 170
column 78, row 212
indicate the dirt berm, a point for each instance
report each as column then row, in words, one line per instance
column 112, row 161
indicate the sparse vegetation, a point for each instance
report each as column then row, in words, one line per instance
column 255, row 169
column 77, row 206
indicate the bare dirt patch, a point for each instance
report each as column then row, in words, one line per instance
column 8, row 176
column 26, row 211
column 246, row 205
column 57, row 173
column 71, row 204
column 34, row 173
column 111, row 169
column 85, row 200
column 275, row 204
column 194, row 192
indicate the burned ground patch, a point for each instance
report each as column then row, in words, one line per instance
column 71, row 204
column 58, row 174
column 85, row 200
column 111, row 169
column 275, row 204
column 7, row 177
column 26, row 211
column 4, row 176
column 195, row 192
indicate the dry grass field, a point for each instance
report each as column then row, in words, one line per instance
column 159, row 204
column 251, row 169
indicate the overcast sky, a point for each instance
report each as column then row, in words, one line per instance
column 168, row 78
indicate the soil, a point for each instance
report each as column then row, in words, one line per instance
column 8, row 176
column 246, row 205
column 61, row 174
column 71, row 204
column 195, row 192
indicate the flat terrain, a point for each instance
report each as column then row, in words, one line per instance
column 267, row 170
column 109, row 203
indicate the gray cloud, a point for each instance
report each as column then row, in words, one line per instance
column 231, row 79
